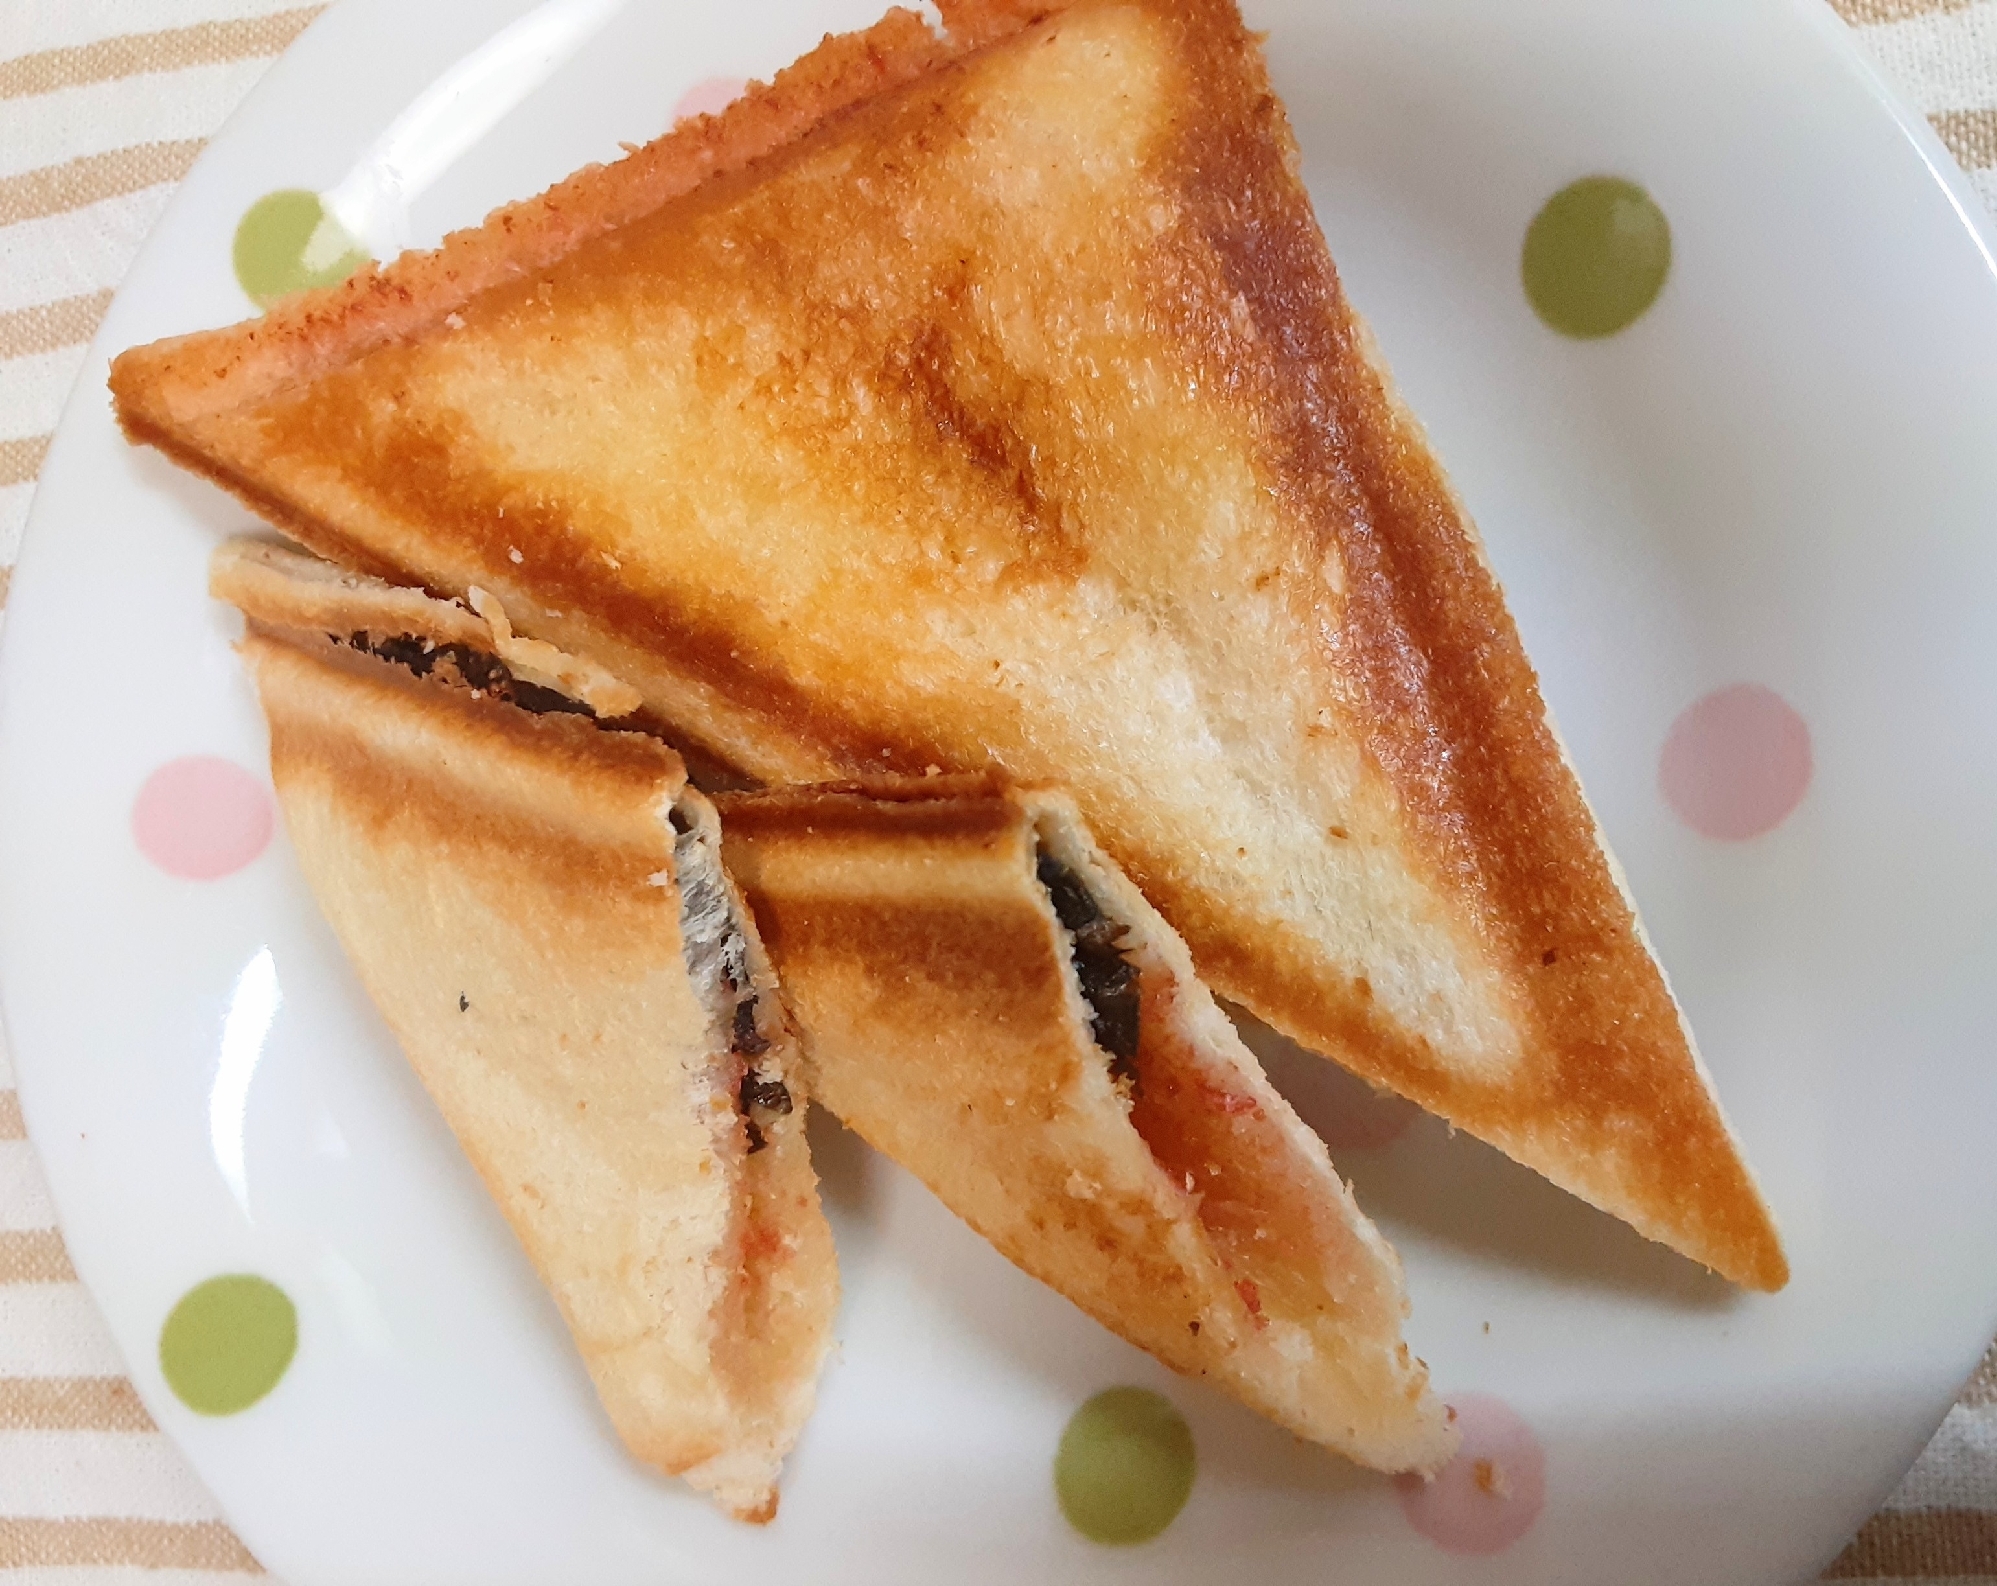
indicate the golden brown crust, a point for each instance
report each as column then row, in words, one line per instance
column 1036, row 432
column 507, row 887
column 164, row 386
column 1454, row 716
column 945, row 1024
column 281, row 589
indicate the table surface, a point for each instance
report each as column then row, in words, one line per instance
column 104, row 105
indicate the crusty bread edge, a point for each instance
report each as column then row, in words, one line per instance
column 1767, row 1268
column 161, row 388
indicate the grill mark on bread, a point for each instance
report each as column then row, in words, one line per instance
column 875, row 815
column 990, row 954
column 378, row 787
column 426, row 475
column 943, row 386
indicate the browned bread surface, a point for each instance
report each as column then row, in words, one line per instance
column 994, row 403
column 1194, row 1214
column 507, row 887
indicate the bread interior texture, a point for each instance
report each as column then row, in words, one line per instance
column 1229, row 1154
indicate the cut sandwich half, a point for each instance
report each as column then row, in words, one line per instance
column 989, row 401
column 537, row 906
column 984, row 998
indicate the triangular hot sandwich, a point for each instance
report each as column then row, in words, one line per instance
column 989, row 400
column 538, row 908
column 986, row 999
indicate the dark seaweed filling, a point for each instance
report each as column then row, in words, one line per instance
column 746, row 1038
column 767, row 1095
column 772, row 1095
column 716, row 947
column 488, row 674
column 476, row 669
column 1108, row 979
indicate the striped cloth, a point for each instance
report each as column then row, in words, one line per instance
column 104, row 105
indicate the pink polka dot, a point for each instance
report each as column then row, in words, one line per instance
column 1736, row 763
column 201, row 817
column 1490, row 1494
column 709, row 97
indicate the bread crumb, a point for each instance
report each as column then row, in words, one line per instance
column 513, row 555
column 1490, row 1478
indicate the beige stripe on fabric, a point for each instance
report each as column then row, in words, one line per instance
column 47, row 326
column 106, row 60
column 36, row 1256
column 56, row 189
column 150, row 1544
column 12, row 1125
column 1921, row 1544
column 21, row 460
column 71, row 1404
column 1971, row 135
column 1863, row 13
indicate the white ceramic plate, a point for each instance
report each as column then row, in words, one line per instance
column 1783, row 475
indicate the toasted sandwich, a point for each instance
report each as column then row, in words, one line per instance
column 537, row 906
column 984, row 998
column 986, row 399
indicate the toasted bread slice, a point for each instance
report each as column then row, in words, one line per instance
column 986, row 401
column 1131, row 1152
column 987, row 1000
column 538, row 909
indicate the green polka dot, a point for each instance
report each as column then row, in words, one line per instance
column 287, row 242
column 1596, row 256
column 1125, row 1467
column 227, row 1342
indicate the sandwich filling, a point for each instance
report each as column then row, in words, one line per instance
column 1204, row 1120
column 475, row 669
column 711, row 929
column 717, row 958
column 991, row 1002
column 1107, row 978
